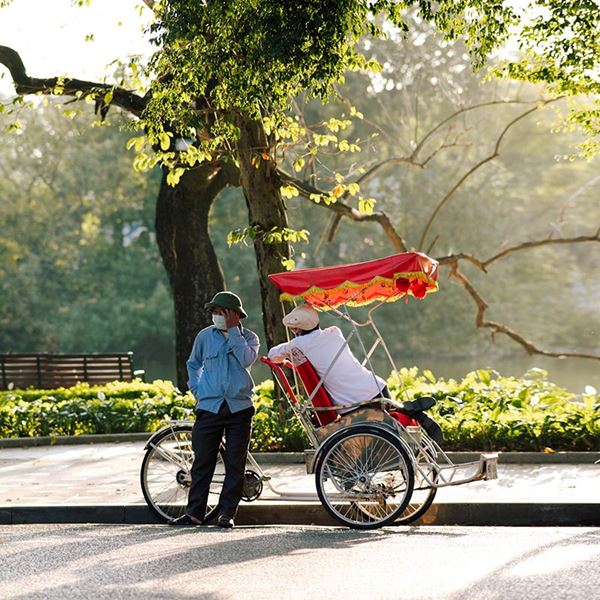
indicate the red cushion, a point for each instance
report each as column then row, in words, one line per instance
column 404, row 419
column 310, row 379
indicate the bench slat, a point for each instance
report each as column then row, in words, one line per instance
column 61, row 370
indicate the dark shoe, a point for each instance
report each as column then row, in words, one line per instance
column 185, row 521
column 225, row 522
column 413, row 407
column 431, row 427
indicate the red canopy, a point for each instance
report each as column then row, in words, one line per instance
column 384, row 279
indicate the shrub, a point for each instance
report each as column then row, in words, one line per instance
column 484, row 411
column 113, row 408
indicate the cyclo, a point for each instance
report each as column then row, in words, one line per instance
column 372, row 466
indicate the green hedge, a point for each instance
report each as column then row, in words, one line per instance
column 83, row 409
column 484, row 411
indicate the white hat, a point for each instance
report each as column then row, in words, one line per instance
column 302, row 317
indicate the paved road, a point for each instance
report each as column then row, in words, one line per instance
column 450, row 563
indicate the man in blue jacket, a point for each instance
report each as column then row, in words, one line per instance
column 219, row 379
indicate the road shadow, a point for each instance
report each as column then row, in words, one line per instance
column 202, row 549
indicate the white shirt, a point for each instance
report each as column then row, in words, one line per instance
column 348, row 382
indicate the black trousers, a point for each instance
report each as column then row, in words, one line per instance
column 207, row 434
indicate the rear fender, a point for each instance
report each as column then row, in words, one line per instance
column 172, row 426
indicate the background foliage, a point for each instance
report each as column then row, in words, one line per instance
column 484, row 411
column 79, row 270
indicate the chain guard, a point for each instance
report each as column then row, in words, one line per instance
column 253, row 486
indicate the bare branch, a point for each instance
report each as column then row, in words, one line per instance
column 536, row 244
column 411, row 160
column 439, row 149
column 571, row 199
column 334, row 227
column 348, row 104
column 151, row 4
column 480, row 321
column 344, row 210
column 452, row 259
column 455, row 114
column 476, row 167
column 67, row 87
column 483, row 265
column 388, row 162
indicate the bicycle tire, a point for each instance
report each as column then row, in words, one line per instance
column 165, row 475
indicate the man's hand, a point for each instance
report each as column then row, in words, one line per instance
column 232, row 317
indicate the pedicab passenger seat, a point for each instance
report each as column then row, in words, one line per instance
column 310, row 379
column 307, row 374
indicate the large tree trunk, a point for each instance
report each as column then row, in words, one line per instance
column 187, row 251
column 266, row 210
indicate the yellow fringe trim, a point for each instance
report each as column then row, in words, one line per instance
column 286, row 297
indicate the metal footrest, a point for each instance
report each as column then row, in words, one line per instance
column 490, row 466
column 484, row 469
column 309, row 459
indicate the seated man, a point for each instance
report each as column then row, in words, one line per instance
column 347, row 382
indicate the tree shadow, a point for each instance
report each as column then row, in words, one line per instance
column 214, row 548
column 501, row 584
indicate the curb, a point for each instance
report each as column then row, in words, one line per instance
column 65, row 440
column 298, row 457
column 276, row 513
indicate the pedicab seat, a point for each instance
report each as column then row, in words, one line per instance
column 321, row 399
column 307, row 374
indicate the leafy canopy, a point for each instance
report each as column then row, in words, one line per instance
column 221, row 61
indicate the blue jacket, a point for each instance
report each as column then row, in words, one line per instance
column 219, row 368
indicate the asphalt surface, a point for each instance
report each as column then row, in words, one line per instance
column 305, row 563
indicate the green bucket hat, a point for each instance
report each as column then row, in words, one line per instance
column 227, row 300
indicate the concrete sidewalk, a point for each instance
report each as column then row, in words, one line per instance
column 100, row 483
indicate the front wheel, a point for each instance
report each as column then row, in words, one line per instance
column 165, row 475
column 364, row 477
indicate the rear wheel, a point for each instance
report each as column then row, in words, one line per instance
column 165, row 474
column 423, row 495
column 364, row 477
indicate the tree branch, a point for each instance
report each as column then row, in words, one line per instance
column 344, row 210
column 535, row 244
column 480, row 321
column 68, row 87
column 455, row 114
column 483, row 265
column 475, row 168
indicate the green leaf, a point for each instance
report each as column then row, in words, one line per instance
column 366, row 205
column 353, row 188
column 174, row 176
column 289, row 191
column 165, row 140
column 288, row 263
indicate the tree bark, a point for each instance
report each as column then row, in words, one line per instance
column 260, row 183
column 187, row 251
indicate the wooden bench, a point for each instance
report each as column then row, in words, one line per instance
column 48, row 371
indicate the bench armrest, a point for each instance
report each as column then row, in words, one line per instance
column 140, row 373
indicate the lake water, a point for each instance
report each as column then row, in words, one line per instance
column 572, row 374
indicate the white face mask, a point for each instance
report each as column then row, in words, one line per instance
column 219, row 322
